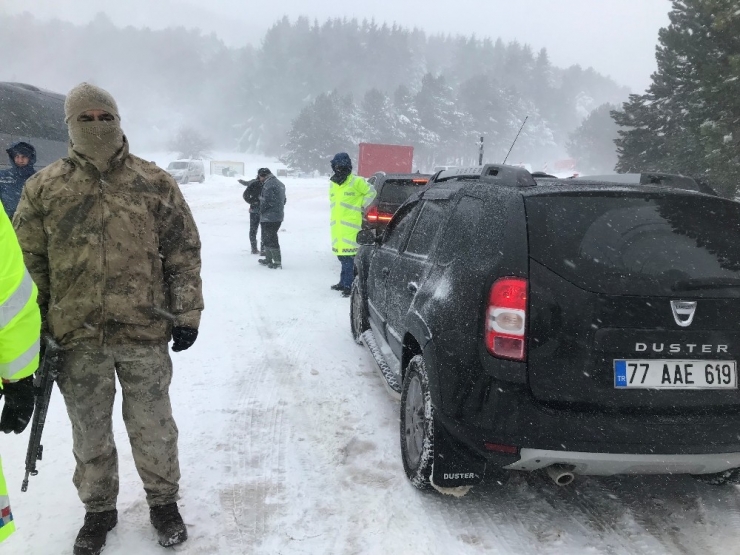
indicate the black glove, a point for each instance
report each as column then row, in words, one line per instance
column 183, row 338
column 18, row 409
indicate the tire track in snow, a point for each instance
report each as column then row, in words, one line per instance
column 258, row 438
column 673, row 510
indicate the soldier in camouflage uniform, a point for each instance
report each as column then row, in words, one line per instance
column 112, row 245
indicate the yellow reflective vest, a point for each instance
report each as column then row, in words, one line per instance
column 20, row 328
column 347, row 201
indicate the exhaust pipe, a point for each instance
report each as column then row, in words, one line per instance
column 561, row 474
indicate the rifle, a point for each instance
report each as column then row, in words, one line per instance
column 43, row 382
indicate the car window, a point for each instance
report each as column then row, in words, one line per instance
column 427, row 227
column 177, row 165
column 460, row 231
column 637, row 245
column 396, row 191
column 398, row 227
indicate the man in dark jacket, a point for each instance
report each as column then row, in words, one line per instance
column 272, row 202
column 22, row 158
column 252, row 197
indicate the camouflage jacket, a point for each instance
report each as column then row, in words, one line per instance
column 116, row 257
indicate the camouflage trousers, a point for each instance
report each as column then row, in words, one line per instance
column 88, row 384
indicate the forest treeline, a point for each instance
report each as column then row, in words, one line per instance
column 437, row 92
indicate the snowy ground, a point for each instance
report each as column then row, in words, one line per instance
column 289, row 441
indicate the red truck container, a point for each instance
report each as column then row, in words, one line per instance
column 384, row 158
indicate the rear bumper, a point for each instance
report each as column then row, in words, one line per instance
column 593, row 443
column 608, row 464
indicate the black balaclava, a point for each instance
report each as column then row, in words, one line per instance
column 342, row 166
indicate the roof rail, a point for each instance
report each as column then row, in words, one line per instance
column 675, row 181
column 498, row 174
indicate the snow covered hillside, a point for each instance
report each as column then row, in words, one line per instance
column 289, row 441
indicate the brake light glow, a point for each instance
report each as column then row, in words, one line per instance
column 501, row 448
column 422, row 181
column 374, row 216
column 506, row 319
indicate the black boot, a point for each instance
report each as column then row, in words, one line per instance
column 277, row 260
column 267, row 260
column 337, row 287
column 91, row 538
column 168, row 522
column 346, row 291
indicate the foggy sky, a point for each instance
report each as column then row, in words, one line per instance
column 615, row 37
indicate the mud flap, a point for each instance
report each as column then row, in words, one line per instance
column 455, row 464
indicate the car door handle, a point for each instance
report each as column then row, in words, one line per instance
column 386, row 271
column 412, row 287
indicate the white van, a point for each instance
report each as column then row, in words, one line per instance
column 185, row 171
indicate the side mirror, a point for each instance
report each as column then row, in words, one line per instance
column 366, row 237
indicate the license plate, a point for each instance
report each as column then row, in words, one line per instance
column 675, row 374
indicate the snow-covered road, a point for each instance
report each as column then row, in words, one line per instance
column 289, row 441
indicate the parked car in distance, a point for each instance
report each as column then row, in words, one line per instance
column 185, row 171
column 393, row 190
column 571, row 326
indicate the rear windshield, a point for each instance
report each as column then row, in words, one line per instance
column 177, row 166
column 396, row 191
column 655, row 245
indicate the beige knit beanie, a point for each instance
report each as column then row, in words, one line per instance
column 86, row 97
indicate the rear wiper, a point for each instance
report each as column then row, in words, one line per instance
column 705, row 283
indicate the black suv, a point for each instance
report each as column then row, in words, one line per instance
column 580, row 327
column 393, row 190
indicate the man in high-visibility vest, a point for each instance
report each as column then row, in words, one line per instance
column 20, row 328
column 348, row 195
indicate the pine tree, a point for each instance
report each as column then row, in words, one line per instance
column 328, row 125
column 592, row 144
column 689, row 119
column 379, row 121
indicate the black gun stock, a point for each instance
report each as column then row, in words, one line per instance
column 43, row 383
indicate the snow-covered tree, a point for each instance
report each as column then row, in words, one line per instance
column 188, row 142
column 592, row 143
column 689, row 119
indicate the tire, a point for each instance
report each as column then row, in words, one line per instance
column 417, row 425
column 357, row 312
column 728, row 477
column 202, row 179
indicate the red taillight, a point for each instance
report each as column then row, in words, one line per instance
column 373, row 216
column 420, row 181
column 506, row 319
column 500, row 448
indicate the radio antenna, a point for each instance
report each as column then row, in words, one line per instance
column 515, row 139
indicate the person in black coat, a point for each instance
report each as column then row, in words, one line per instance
column 252, row 196
column 22, row 158
column 272, row 203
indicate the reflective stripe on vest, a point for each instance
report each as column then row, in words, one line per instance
column 7, row 369
column 7, row 526
column 350, row 207
column 350, row 224
column 17, row 301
